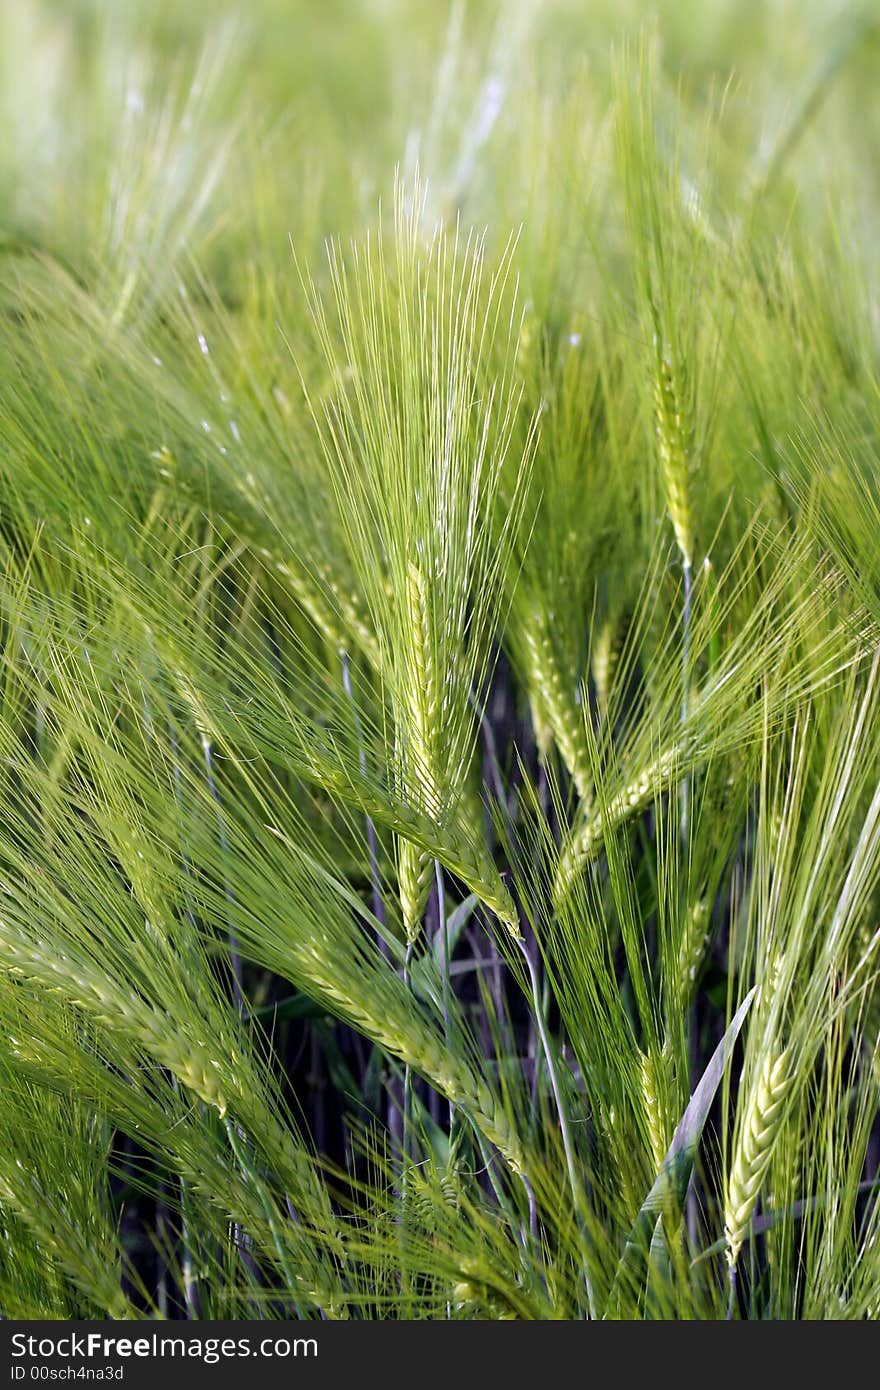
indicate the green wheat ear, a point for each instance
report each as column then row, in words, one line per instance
column 656, row 1076
column 692, row 948
column 674, row 432
column 421, row 721
column 605, row 654
column 761, row 1120
column 415, row 871
column 557, row 716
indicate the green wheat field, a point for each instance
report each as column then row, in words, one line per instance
column 440, row 680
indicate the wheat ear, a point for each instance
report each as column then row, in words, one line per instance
column 555, row 711
column 420, row 713
column 754, row 1150
column 401, row 1034
column 674, row 449
column 414, row 873
column 321, row 614
column 604, row 660
column 692, row 948
column 428, row 781
column 588, row 839
column 87, row 989
column 655, row 1085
